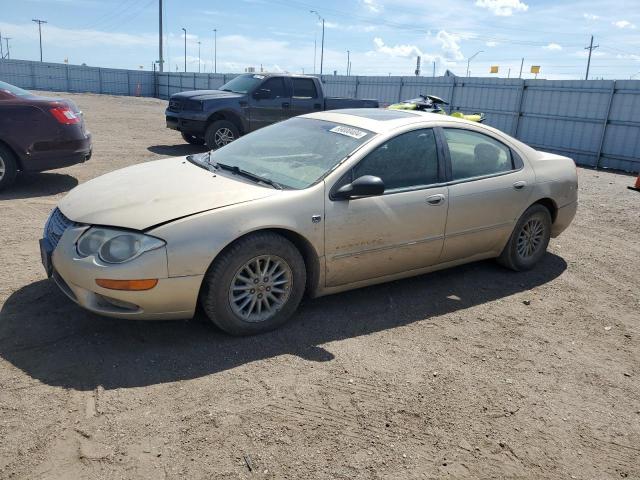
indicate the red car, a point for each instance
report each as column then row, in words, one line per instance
column 38, row 133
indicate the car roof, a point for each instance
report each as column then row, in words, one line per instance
column 380, row 120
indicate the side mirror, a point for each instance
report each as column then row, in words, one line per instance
column 365, row 186
column 262, row 93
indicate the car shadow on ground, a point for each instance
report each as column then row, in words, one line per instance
column 29, row 185
column 54, row 341
column 177, row 150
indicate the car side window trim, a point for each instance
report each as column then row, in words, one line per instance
column 449, row 171
column 442, row 179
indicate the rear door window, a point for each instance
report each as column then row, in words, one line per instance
column 474, row 154
column 304, row 88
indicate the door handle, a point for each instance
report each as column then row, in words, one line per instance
column 520, row 185
column 286, row 104
column 435, row 199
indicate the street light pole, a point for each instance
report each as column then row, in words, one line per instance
column 160, row 59
column 199, row 43
column 185, row 48
column 39, row 22
column 215, row 50
column 348, row 62
column 322, row 44
column 471, row 58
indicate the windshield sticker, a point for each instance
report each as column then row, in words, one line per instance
column 259, row 77
column 349, row 132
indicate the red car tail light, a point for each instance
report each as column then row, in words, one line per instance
column 65, row 115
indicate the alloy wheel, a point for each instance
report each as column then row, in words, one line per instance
column 530, row 238
column 3, row 168
column 260, row 288
column 223, row 136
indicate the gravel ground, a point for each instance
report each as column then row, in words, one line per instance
column 474, row 372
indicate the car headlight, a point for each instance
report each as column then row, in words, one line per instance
column 115, row 246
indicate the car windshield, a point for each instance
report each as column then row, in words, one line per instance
column 243, row 83
column 18, row 92
column 295, row 153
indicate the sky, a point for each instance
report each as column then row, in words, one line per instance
column 383, row 37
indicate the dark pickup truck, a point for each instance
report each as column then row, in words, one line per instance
column 247, row 103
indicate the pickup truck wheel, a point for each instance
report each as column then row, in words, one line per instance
column 255, row 285
column 192, row 139
column 220, row 133
column 8, row 167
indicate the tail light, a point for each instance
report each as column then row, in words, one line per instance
column 63, row 114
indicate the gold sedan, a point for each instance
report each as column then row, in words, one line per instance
column 317, row 204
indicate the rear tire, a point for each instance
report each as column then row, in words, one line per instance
column 8, row 167
column 529, row 240
column 255, row 285
column 220, row 133
column 192, row 139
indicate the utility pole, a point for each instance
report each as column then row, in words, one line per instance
column 199, row 43
column 591, row 48
column 185, row 48
column 471, row 58
column 39, row 22
column 434, row 69
column 521, row 65
column 6, row 39
column 322, row 44
column 1, row 47
column 215, row 50
column 348, row 61
column 161, row 61
column 509, row 73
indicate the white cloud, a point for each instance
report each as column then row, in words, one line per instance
column 628, row 56
column 491, row 44
column 372, row 5
column 590, row 16
column 624, row 24
column 503, row 8
column 396, row 50
column 449, row 45
column 553, row 46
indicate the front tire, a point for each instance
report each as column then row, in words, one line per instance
column 8, row 167
column 220, row 133
column 529, row 240
column 192, row 139
column 255, row 285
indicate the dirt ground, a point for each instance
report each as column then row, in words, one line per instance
column 474, row 372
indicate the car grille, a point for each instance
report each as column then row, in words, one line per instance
column 56, row 225
column 175, row 105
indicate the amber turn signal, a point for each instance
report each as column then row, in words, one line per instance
column 135, row 285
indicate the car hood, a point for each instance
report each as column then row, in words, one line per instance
column 152, row 193
column 207, row 94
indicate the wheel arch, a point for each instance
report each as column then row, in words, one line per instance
column 230, row 116
column 550, row 205
column 304, row 246
column 13, row 151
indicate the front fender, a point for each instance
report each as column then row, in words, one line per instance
column 195, row 241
